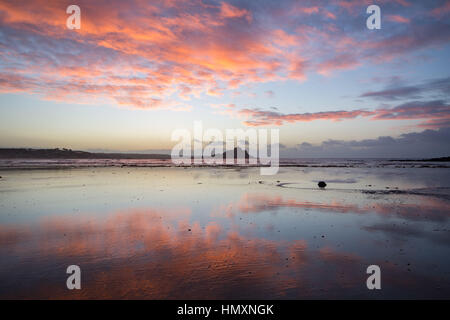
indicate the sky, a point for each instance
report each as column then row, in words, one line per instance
column 138, row 70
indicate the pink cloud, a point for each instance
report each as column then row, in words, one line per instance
column 340, row 62
column 330, row 15
column 442, row 10
column 139, row 58
column 352, row 5
column 433, row 114
column 307, row 10
column 397, row 18
column 170, row 50
column 266, row 118
column 229, row 11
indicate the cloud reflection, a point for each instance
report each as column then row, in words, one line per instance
column 430, row 209
column 165, row 253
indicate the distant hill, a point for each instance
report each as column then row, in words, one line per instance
column 233, row 154
column 24, row 153
column 441, row 159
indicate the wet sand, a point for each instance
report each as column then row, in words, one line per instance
column 225, row 233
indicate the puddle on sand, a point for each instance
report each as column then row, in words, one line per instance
column 220, row 233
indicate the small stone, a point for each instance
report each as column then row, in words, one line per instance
column 322, row 184
column 189, row 230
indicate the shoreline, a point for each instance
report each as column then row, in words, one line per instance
column 415, row 165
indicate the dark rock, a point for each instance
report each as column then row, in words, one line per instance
column 322, row 184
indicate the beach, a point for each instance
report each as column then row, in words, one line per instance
column 165, row 232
